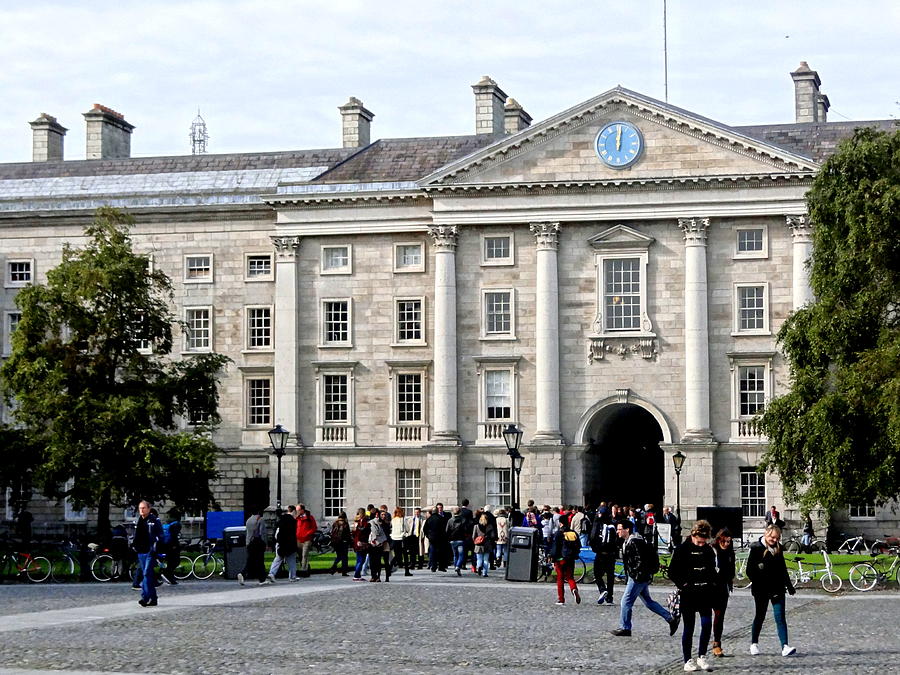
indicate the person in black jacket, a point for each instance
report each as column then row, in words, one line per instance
column 436, row 533
column 285, row 544
column 147, row 535
column 724, row 551
column 693, row 571
column 603, row 541
column 768, row 575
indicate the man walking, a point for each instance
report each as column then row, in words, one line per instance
column 436, row 533
column 285, row 544
column 603, row 541
column 306, row 530
column 415, row 539
column 255, row 566
column 637, row 557
column 674, row 522
column 147, row 535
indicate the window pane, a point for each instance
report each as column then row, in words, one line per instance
column 752, row 390
column 751, row 305
column 409, row 397
column 333, row 483
column 335, row 396
column 336, row 257
column 409, row 320
column 259, row 328
column 409, row 255
column 20, row 271
column 750, row 241
column 498, row 312
column 498, row 394
column 259, row 266
column 753, row 494
column 622, row 293
column 259, row 398
column 497, row 486
column 198, row 329
column 199, row 267
column 337, row 321
column 496, row 248
column 409, row 489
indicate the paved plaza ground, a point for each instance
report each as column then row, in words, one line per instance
column 430, row 623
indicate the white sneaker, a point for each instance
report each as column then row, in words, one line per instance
column 270, row 579
column 690, row 666
column 754, row 649
column 240, row 579
column 787, row 650
column 702, row 663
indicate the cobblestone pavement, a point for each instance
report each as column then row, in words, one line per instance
column 430, row 623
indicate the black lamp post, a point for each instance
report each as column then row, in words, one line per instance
column 678, row 461
column 278, row 438
column 512, row 436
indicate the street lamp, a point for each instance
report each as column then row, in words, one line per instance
column 512, row 436
column 278, row 438
column 678, row 461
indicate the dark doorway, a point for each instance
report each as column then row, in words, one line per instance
column 624, row 463
column 256, row 495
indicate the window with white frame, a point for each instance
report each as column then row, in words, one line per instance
column 139, row 331
column 336, row 322
column 622, row 294
column 258, row 267
column 198, row 329
column 70, row 512
column 19, row 273
column 751, row 315
column 410, row 401
column 751, row 389
column 497, row 486
column 498, row 395
column 334, row 402
column 198, row 413
column 862, row 511
column 336, row 398
column 409, row 257
column 333, row 488
column 497, row 406
column 409, row 489
column 337, row 259
column 410, row 321
column 10, row 324
column 753, row 493
column 259, row 401
column 259, row 328
column 498, row 313
column 497, row 249
column 198, row 268
column 622, row 259
column 408, row 422
column 751, row 242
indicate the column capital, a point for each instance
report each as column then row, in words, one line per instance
column 546, row 235
column 695, row 230
column 445, row 237
column 286, row 248
column 801, row 228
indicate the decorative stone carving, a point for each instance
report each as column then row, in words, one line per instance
column 801, row 228
column 286, row 248
column 445, row 237
column 546, row 235
column 643, row 346
column 695, row 230
column 622, row 395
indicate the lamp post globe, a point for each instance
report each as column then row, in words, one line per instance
column 278, row 438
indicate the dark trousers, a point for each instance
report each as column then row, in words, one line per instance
column 719, row 607
column 435, row 554
column 605, row 574
column 411, row 545
column 689, row 617
column 341, row 557
column 379, row 558
column 399, row 554
column 762, row 604
column 255, row 567
column 173, row 556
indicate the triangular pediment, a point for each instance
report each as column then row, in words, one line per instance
column 676, row 144
column 620, row 237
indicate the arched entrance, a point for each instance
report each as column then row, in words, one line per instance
column 623, row 462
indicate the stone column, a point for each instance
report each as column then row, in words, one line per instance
column 801, row 235
column 546, row 331
column 445, row 385
column 696, row 330
column 286, row 390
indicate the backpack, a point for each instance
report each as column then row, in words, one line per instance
column 609, row 535
column 571, row 547
column 585, row 525
column 649, row 561
column 166, row 533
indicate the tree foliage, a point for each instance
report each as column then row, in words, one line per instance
column 834, row 438
column 94, row 390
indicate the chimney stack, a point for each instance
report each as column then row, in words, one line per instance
column 515, row 117
column 809, row 104
column 47, row 139
column 108, row 134
column 489, row 107
column 356, row 123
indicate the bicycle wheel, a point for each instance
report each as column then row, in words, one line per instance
column 62, row 569
column 795, row 577
column 740, row 575
column 103, row 567
column 204, row 566
column 793, row 546
column 38, row 569
column 579, row 571
column 831, row 582
column 863, row 577
column 183, row 571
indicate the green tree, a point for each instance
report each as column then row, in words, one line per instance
column 834, row 438
column 94, row 389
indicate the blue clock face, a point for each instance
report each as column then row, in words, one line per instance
column 619, row 144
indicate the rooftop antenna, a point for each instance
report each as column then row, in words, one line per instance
column 665, row 54
column 199, row 137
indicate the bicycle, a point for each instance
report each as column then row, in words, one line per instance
column 853, row 545
column 14, row 564
column 321, row 543
column 795, row 544
column 64, row 565
column 208, row 563
column 546, row 568
column 831, row 582
column 741, row 580
column 865, row 575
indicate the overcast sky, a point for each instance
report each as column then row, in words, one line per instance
column 269, row 74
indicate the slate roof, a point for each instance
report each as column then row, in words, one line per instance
column 402, row 159
column 817, row 141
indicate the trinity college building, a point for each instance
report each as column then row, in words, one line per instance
column 610, row 280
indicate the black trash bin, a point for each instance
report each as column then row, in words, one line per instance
column 522, row 564
column 235, row 541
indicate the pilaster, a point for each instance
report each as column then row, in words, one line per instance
column 802, row 247
column 546, row 328
column 445, row 376
column 286, row 392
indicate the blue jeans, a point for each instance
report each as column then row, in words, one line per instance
column 458, row 549
column 360, row 563
column 583, row 538
column 762, row 603
column 148, row 582
column 633, row 591
column 500, row 554
column 435, row 550
column 290, row 559
column 483, row 562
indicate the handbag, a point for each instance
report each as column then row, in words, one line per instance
column 479, row 540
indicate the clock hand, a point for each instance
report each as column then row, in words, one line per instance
column 618, row 137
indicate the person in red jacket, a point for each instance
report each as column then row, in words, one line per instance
column 306, row 529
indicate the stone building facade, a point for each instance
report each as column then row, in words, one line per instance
column 396, row 304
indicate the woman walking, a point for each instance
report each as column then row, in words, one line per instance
column 724, row 551
column 483, row 537
column 379, row 547
column 341, row 540
column 361, row 531
column 502, row 538
column 399, row 532
column 693, row 571
column 768, row 575
column 564, row 550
